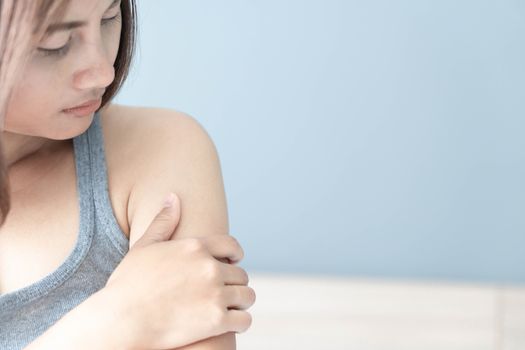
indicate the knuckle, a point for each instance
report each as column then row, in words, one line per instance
column 218, row 316
column 194, row 245
column 211, row 269
column 239, row 295
column 246, row 278
column 241, row 253
column 247, row 322
column 252, row 295
column 219, row 297
column 233, row 240
column 236, row 246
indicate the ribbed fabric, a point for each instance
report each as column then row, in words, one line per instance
column 28, row 312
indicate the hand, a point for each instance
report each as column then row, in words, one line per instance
column 172, row 293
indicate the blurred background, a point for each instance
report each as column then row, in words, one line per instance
column 378, row 140
column 376, row 137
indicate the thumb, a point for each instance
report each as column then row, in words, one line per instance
column 163, row 225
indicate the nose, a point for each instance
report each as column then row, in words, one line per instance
column 97, row 70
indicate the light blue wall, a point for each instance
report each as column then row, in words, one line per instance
column 364, row 138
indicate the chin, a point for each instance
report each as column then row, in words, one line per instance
column 71, row 127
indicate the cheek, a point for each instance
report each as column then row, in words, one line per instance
column 31, row 97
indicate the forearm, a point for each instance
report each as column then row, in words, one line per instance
column 224, row 341
column 90, row 325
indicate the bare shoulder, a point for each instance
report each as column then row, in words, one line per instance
column 147, row 122
column 165, row 150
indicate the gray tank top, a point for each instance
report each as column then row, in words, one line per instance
column 28, row 312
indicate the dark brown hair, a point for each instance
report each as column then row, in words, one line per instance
column 23, row 23
column 126, row 50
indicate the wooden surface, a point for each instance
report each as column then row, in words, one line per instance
column 303, row 313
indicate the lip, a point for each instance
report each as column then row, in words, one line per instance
column 85, row 108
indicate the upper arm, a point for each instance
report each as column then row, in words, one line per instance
column 180, row 157
column 177, row 155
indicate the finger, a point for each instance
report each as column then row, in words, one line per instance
column 234, row 275
column 239, row 297
column 162, row 226
column 238, row 321
column 223, row 246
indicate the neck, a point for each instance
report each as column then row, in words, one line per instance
column 18, row 149
column 29, row 159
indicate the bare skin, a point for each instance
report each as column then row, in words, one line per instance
column 39, row 152
column 32, row 249
column 37, row 142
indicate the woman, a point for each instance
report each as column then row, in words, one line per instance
column 88, row 257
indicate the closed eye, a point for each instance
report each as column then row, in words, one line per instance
column 63, row 50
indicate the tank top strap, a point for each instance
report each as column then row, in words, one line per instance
column 104, row 214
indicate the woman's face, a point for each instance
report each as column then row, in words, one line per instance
column 68, row 68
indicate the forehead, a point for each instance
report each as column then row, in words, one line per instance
column 78, row 14
column 83, row 9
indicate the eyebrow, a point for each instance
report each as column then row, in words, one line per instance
column 57, row 27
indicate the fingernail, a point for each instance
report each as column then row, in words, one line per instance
column 168, row 202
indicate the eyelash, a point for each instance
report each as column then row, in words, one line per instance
column 62, row 51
